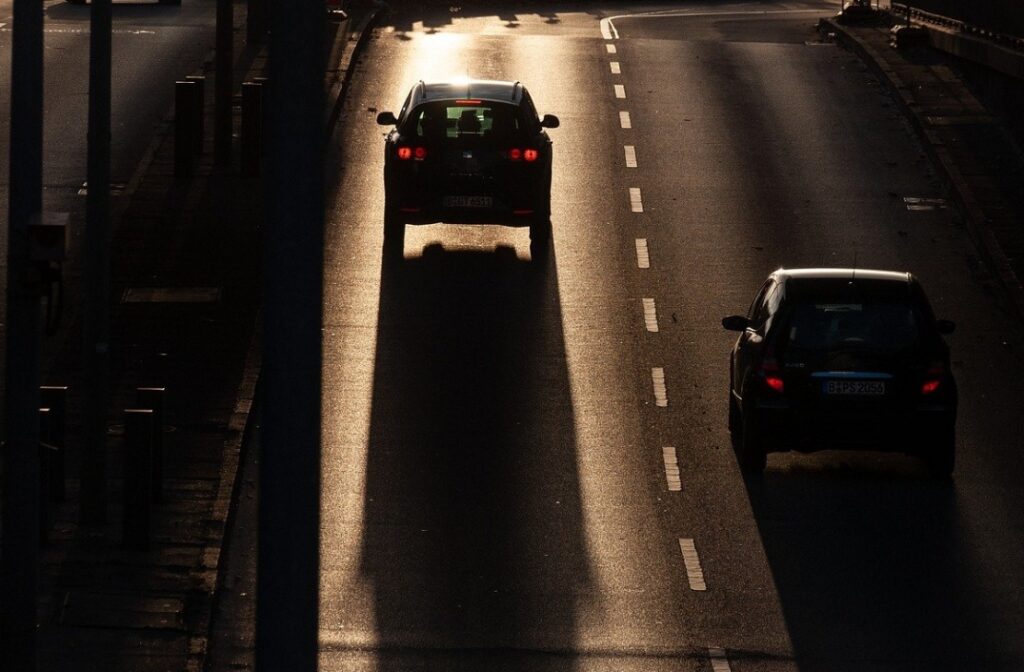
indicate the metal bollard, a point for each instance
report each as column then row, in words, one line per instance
column 200, row 110
column 54, row 397
column 185, row 128
column 252, row 128
column 138, row 478
column 265, row 112
column 46, row 450
column 152, row 398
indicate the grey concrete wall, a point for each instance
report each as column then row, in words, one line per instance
column 1003, row 16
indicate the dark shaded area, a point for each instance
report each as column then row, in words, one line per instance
column 472, row 508
column 869, row 566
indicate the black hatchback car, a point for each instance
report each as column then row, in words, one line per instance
column 841, row 358
column 471, row 151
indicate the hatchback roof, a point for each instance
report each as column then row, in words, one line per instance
column 482, row 89
column 839, row 273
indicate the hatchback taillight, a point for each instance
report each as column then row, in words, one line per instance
column 528, row 155
column 933, row 378
column 406, row 153
column 771, row 376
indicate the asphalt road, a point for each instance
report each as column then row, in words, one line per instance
column 153, row 45
column 497, row 444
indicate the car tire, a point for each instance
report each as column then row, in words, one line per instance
column 540, row 231
column 394, row 233
column 941, row 458
column 750, row 452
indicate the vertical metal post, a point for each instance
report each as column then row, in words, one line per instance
column 138, row 477
column 199, row 101
column 20, row 554
column 222, row 117
column 252, row 128
column 289, row 514
column 152, row 398
column 55, row 398
column 96, row 314
column 184, row 128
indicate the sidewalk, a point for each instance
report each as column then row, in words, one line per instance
column 185, row 299
column 982, row 167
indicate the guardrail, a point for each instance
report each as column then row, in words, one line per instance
column 999, row 21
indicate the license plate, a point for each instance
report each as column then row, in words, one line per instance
column 468, row 201
column 855, row 387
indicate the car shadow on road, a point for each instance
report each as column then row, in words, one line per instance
column 472, row 511
column 869, row 563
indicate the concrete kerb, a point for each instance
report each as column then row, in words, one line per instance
column 339, row 87
column 207, row 578
column 977, row 225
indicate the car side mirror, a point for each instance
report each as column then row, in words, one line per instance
column 945, row 327
column 549, row 121
column 735, row 323
column 387, row 119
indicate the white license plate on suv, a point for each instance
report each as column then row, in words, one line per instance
column 855, row 387
column 468, row 202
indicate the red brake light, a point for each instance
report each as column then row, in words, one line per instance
column 769, row 372
column 468, row 101
column 930, row 386
column 405, row 153
column 515, row 154
column 530, row 154
column 420, row 153
column 933, row 378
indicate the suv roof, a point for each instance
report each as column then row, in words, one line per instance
column 482, row 89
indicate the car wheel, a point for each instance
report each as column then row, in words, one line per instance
column 750, row 452
column 941, row 457
column 540, row 231
column 394, row 232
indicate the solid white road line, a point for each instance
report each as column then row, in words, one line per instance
column 624, row 120
column 611, row 48
column 668, row 453
column 691, row 560
column 620, row 91
column 650, row 315
column 608, row 31
column 630, row 156
column 660, row 391
column 643, row 257
column 719, row 661
column 616, row 68
column 636, row 203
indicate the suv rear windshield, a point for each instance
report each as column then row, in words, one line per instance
column 455, row 120
column 860, row 321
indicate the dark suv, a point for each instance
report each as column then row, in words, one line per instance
column 841, row 358
column 471, row 151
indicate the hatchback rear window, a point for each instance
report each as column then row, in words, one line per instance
column 467, row 120
column 875, row 327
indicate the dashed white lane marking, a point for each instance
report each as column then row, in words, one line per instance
column 691, row 560
column 719, row 661
column 650, row 315
column 620, row 91
column 636, row 204
column 624, row 120
column 643, row 257
column 616, row 68
column 672, row 469
column 611, row 48
column 630, row 156
column 660, row 391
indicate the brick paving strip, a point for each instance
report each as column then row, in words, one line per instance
column 184, row 315
column 982, row 167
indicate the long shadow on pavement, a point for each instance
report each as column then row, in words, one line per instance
column 472, row 505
